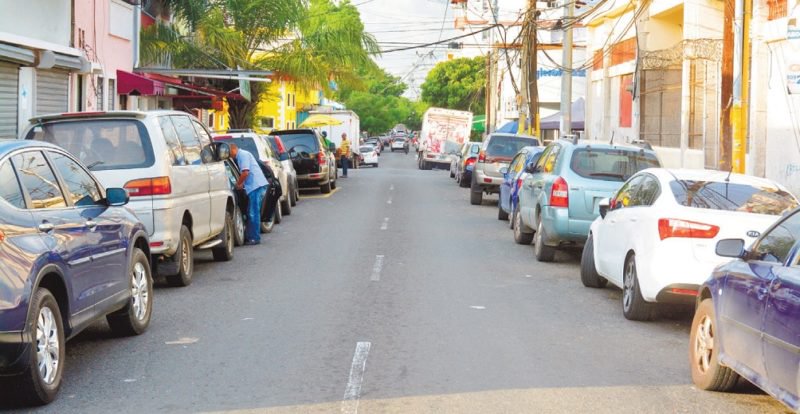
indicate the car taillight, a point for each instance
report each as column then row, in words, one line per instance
column 321, row 158
column 519, row 182
column 470, row 161
column 559, row 195
column 149, row 187
column 683, row 228
column 482, row 156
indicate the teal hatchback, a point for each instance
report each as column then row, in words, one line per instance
column 559, row 200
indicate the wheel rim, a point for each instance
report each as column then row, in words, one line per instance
column 47, row 345
column 185, row 254
column 229, row 239
column 239, row 227
column 704, row 344
column 517, row 220
column 628, row 285
column 140, row 291
column 537, row 247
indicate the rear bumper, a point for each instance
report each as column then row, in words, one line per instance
column 14, row 355
column 312, row 179
column 561, row 229
column 679, row 293
column 487, row 183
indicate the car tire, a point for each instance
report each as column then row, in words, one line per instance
column 286, row 206
column 134, row 318
column 520, row 237
column 463, row 183
column 267, row 226
column 542, row 252
column 589, row 276
column 475, row 198
column 452, row 175
column 238, row 228
column 224, row 251
column 634, row 307
column 335, row 179
column 325, row 188
column 501, row 214
column 292, row 195
column 185, row 260
column 278, row 214
column 707, row 373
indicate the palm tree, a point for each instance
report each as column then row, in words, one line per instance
column 312, row 43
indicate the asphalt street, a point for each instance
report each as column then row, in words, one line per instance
column 391, row 295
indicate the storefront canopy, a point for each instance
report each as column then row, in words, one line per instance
column 510, row 127
column 479, row 123
column 137, row 85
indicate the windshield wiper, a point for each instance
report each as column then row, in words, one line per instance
column 95, row 164
column 606, row 175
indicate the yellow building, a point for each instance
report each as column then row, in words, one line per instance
column 280, row 105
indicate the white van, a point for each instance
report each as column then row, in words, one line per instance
column 175, row 177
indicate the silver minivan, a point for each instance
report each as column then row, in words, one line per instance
column 173, row 173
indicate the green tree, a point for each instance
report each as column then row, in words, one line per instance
column 457, row 84
column 312, row 42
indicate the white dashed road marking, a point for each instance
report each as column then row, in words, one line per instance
column 478, row 307
column 385, row 224
column 376, row 268
column 353, row 390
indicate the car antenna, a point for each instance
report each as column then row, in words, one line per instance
column 612, row 138
column 728, row 178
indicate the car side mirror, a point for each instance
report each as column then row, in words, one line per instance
column 603, row 205
column 117, row 197
column 331, row 147
column 283, row 156
column 504, row 170
column 223, row 152
column 731, row 248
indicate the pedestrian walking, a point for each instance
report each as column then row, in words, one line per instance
column 345, row 157
column 255, row 184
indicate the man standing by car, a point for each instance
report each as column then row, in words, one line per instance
column 345, row 157
column 254, row 183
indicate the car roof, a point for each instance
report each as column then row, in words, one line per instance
column 686, row 174
column 293, row 131
column 585, row 143
column 509, row 134
column 103, row 114
column 9, row 145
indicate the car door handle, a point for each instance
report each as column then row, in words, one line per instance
column 46, row 227
column 761, row 292
column 91, row 224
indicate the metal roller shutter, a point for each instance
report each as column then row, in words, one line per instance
column 9, row 76
column 52, row 92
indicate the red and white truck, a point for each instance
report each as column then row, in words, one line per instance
column 443, row 133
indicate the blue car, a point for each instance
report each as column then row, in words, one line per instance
column 70, row 253
column 520, row 166
column 747, row 320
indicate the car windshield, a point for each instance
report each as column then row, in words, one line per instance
column 727, row 196
column 611, row 164
column 247, row 144
column 100, row 144
column 508, row 145
column 366, row 148
column 299, row 141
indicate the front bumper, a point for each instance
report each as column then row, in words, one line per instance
column 14, row 354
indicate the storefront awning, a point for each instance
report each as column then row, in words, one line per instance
column 137, row 85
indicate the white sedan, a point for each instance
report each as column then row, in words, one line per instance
column 369, row 154
column 656, row 237
column 398, row 144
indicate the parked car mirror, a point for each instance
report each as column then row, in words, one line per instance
column 504, row 170
column 731, row 248
column 603, row 206
column 332, row 147
column 223, row 151
column 117, row 197
column 283, row 156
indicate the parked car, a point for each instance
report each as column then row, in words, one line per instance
column 746, row 320
column 240, row 212
column 315, row 164
column 496, row 152
column 465, row 163
column 513, row 175
column 260, row 147
column 560, row 199
column 369, row 154
column 178, row 185
column 288, row 166
column 376, row 142
column 71, row 254
column 399, row 144
column 659, row 215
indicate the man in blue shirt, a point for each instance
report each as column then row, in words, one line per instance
column 254, row 183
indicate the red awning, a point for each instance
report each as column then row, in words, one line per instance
column 137, row 85
column 195, row 90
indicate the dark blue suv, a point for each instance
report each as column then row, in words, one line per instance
column 70, row 253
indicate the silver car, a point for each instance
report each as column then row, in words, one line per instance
column 497, row 151
column 175, row 177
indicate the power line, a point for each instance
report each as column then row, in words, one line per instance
column 438, row 42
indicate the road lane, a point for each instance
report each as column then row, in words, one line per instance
column 460, row 319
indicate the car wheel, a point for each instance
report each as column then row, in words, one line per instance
column 224, row 251
column 463, row 183
column 278, row 214
column 292, row 195
column 589, row 276
column 325, row 188
column 634, row 307
column 452, row 174
column 543, row 252
column 134, row 318
column 519, row 236
column 707, row 373
column 501, row 214
column 335, row 179
column 267, row 226
column 40, row 381
column 238, row 228
column 286, row 206
column 185, row 260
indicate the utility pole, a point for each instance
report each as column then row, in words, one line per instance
column 533, row 66
column 741, row 66
column 566, row 76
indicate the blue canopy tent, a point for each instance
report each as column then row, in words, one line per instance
column 511, row 127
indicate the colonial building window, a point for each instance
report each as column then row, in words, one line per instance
column 777, row 9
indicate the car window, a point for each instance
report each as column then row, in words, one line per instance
column 81, row 189
column 507, row 145
column 9, row 186
column 39, row 180
column 301, row 142
column 246, row 144
column 776, row 245
column 610, row 164
column 647, row 191
column 549, row 162
column 100, row 144
column 474, row 149
column 720, row 195
column 188, row 138
column 171, row 137
column 517, row 163
column 205, row 138
column 625, row 195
